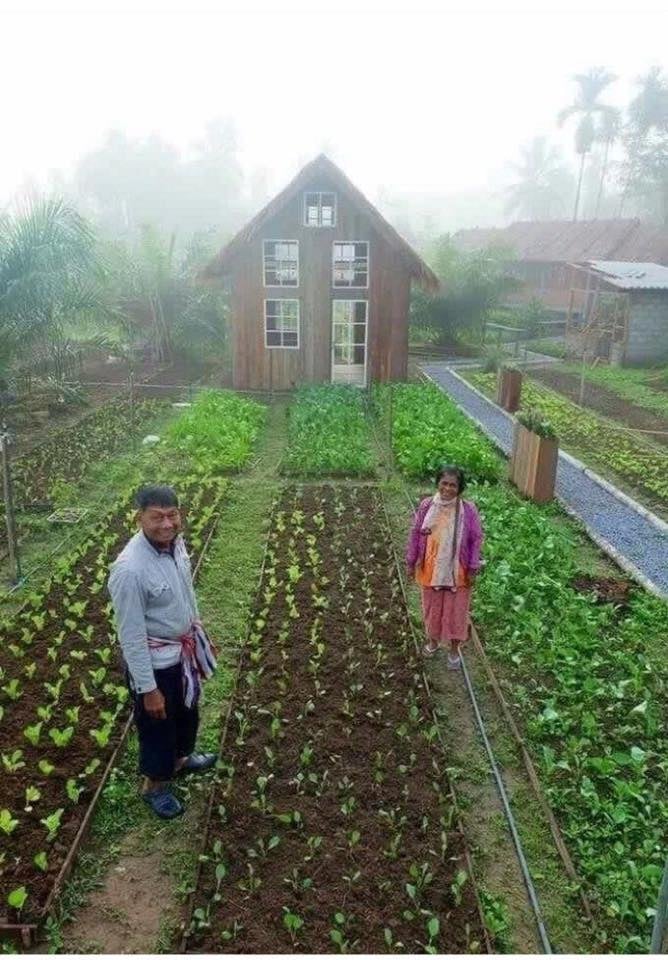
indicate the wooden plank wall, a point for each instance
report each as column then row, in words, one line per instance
column 258, row 368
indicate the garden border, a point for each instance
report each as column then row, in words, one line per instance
column 27, row 931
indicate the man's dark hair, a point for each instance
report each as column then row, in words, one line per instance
column 156, row 496
column 451, row 471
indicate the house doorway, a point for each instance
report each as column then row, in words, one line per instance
column 349, row 341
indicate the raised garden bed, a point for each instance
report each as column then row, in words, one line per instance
column 333, row 821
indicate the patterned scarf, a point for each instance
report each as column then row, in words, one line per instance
column 450, row 540
column 198, row 659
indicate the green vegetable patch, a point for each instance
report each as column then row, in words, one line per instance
column 328, row 434
column 428, row 430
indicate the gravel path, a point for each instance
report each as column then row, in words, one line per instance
column 642, row 547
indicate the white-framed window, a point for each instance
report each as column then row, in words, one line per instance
column 350, row 264
column 280, row 262
column 319, row 209
column 281, row 324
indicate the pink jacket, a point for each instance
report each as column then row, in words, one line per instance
column 471, row 541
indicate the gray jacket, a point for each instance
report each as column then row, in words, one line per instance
column 153, row 596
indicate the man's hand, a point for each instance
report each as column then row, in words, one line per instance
column 154, row 704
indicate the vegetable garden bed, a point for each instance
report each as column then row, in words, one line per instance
column 427, row 430
column 68, row 453
column 328, row 434
column 333, row 828
column 62, row 699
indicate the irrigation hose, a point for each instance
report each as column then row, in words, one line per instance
column 526, row 874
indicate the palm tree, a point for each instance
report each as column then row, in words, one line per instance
column 47, row 274
column 587, row 107
column 646, row 141
column 607, row 133
column 542, row 182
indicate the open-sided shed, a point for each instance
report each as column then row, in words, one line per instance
column 319, row 286
column 619, row 310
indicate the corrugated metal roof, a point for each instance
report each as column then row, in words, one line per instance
column 632, row 276
column 566, row 241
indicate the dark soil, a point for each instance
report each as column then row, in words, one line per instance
column 339, row 722
column 603, row 401
column 606, row 589
column 49, row 623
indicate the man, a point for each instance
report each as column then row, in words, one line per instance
column 165, row 649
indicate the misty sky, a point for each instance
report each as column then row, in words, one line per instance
column 410, row 96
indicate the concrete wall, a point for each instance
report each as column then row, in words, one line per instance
column 648, row 327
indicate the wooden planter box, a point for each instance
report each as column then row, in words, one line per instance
column 509, row 390
column 533, row 464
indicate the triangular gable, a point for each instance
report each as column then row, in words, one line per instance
column 322, row 166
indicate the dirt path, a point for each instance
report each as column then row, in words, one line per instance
column 603, row 401
column 127, row 892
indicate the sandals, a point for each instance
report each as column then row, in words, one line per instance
column 454, row 663
column 430, row 651
column 197, row 763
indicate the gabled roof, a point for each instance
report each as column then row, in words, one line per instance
column 566, row 240
column 322, row 166
column 629, row 276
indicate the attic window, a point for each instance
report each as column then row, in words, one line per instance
column 319, row 209
column 351, row 264
column 281, row 263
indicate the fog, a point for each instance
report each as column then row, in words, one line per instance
column 425, row 106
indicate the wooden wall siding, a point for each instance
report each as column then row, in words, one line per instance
column 258, row 368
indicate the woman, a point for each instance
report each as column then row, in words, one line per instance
column 443, row 554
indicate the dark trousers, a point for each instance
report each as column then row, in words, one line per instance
column 163, row 742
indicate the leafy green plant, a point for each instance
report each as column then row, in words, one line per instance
column 52, row 822
column 8, row 824
column 536, row 423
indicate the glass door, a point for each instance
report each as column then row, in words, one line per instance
column 349, row 341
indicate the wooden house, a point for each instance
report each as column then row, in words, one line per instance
column 319, row 286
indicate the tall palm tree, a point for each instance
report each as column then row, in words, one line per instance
column 646, row 142
column 542, row 182
column 588, row 109
column 607, row 133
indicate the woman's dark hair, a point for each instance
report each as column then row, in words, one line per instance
column 451, row 471
column 156, row 496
